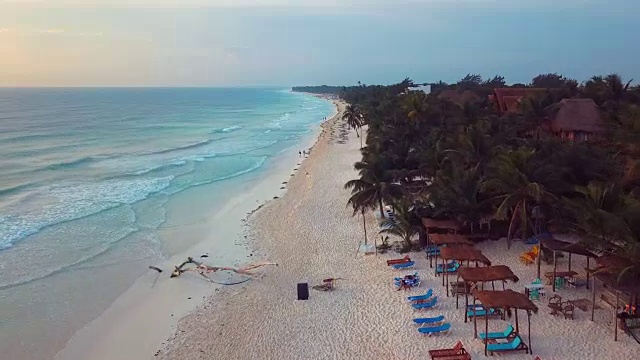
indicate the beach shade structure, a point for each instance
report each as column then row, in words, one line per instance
column 461, row 254
column 557, row 246
column 620, row 275
column 435, row 226
column 446, row 240
column 506, row 300
column 440, row 225
column 482, row 275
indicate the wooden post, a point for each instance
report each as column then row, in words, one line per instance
column 436, row 257
column 447, row 279
column 539, row 256
column 429, row 243
column 517, row 325
column 458, row 290
column 443, row 269
column 375, row 244
column 466, row 305
column 588, row 271
column 569, row 261
column 493, row 286
column 615, row 317
column 364, row 222
column 529, row 324
column 486, row 329
column 555, row 264
column 475, row 320
column 593, row 298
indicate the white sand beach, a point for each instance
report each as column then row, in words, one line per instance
column 312, row 235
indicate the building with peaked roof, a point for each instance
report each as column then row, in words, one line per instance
column 575, row 119
column 507, row 100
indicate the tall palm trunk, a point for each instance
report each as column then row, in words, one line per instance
column 381, row 209
column 364, row 226
column 360, row 138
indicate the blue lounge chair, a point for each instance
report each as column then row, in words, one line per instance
column 404, row 266
column 514, row 345
column 431, row 320
column 432, row 250
column 483, row 312
column 507, row 333
column 415, row 275
column 435, row 330
column 426, row 305
column 421, row 297
column 450, row 264
column 451, row 267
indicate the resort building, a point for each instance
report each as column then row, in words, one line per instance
column 575, row 119
column 507, row 100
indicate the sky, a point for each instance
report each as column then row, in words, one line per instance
column 311, row 42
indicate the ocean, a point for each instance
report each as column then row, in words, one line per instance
column 94, row 184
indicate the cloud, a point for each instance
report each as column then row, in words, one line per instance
column 289, row 3
column 51, row 31
column 57, row 31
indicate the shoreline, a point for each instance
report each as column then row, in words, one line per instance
column 139, row 321
column 313, row 236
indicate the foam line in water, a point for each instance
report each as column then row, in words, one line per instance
column 77, row 201
column 253, row 167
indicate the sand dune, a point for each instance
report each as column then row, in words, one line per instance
column 310, row 232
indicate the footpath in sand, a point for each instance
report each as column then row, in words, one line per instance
column 312, row 235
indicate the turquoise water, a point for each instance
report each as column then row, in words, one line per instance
column 88, row 176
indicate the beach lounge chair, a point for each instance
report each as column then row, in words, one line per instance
column 507, row 333
column 421, row 297
column 482, row 313
column 456, row 353
column 432, row 250
column 430, row 320
column 435, row 330
column 530, row 256
column 516, row 344
column 404, row 266
column 430, row 304
column 451, row 267
column 405, row 259
column 450, row 264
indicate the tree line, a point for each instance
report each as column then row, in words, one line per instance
column 428, row 156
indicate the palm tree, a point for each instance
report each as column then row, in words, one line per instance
column 404, row 225
column 513, row 179
column 353, row 117
column 373, row 188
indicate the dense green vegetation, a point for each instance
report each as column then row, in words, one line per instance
column 322, row 90
column 429, row 156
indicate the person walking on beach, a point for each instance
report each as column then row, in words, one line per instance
column 299, row 153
